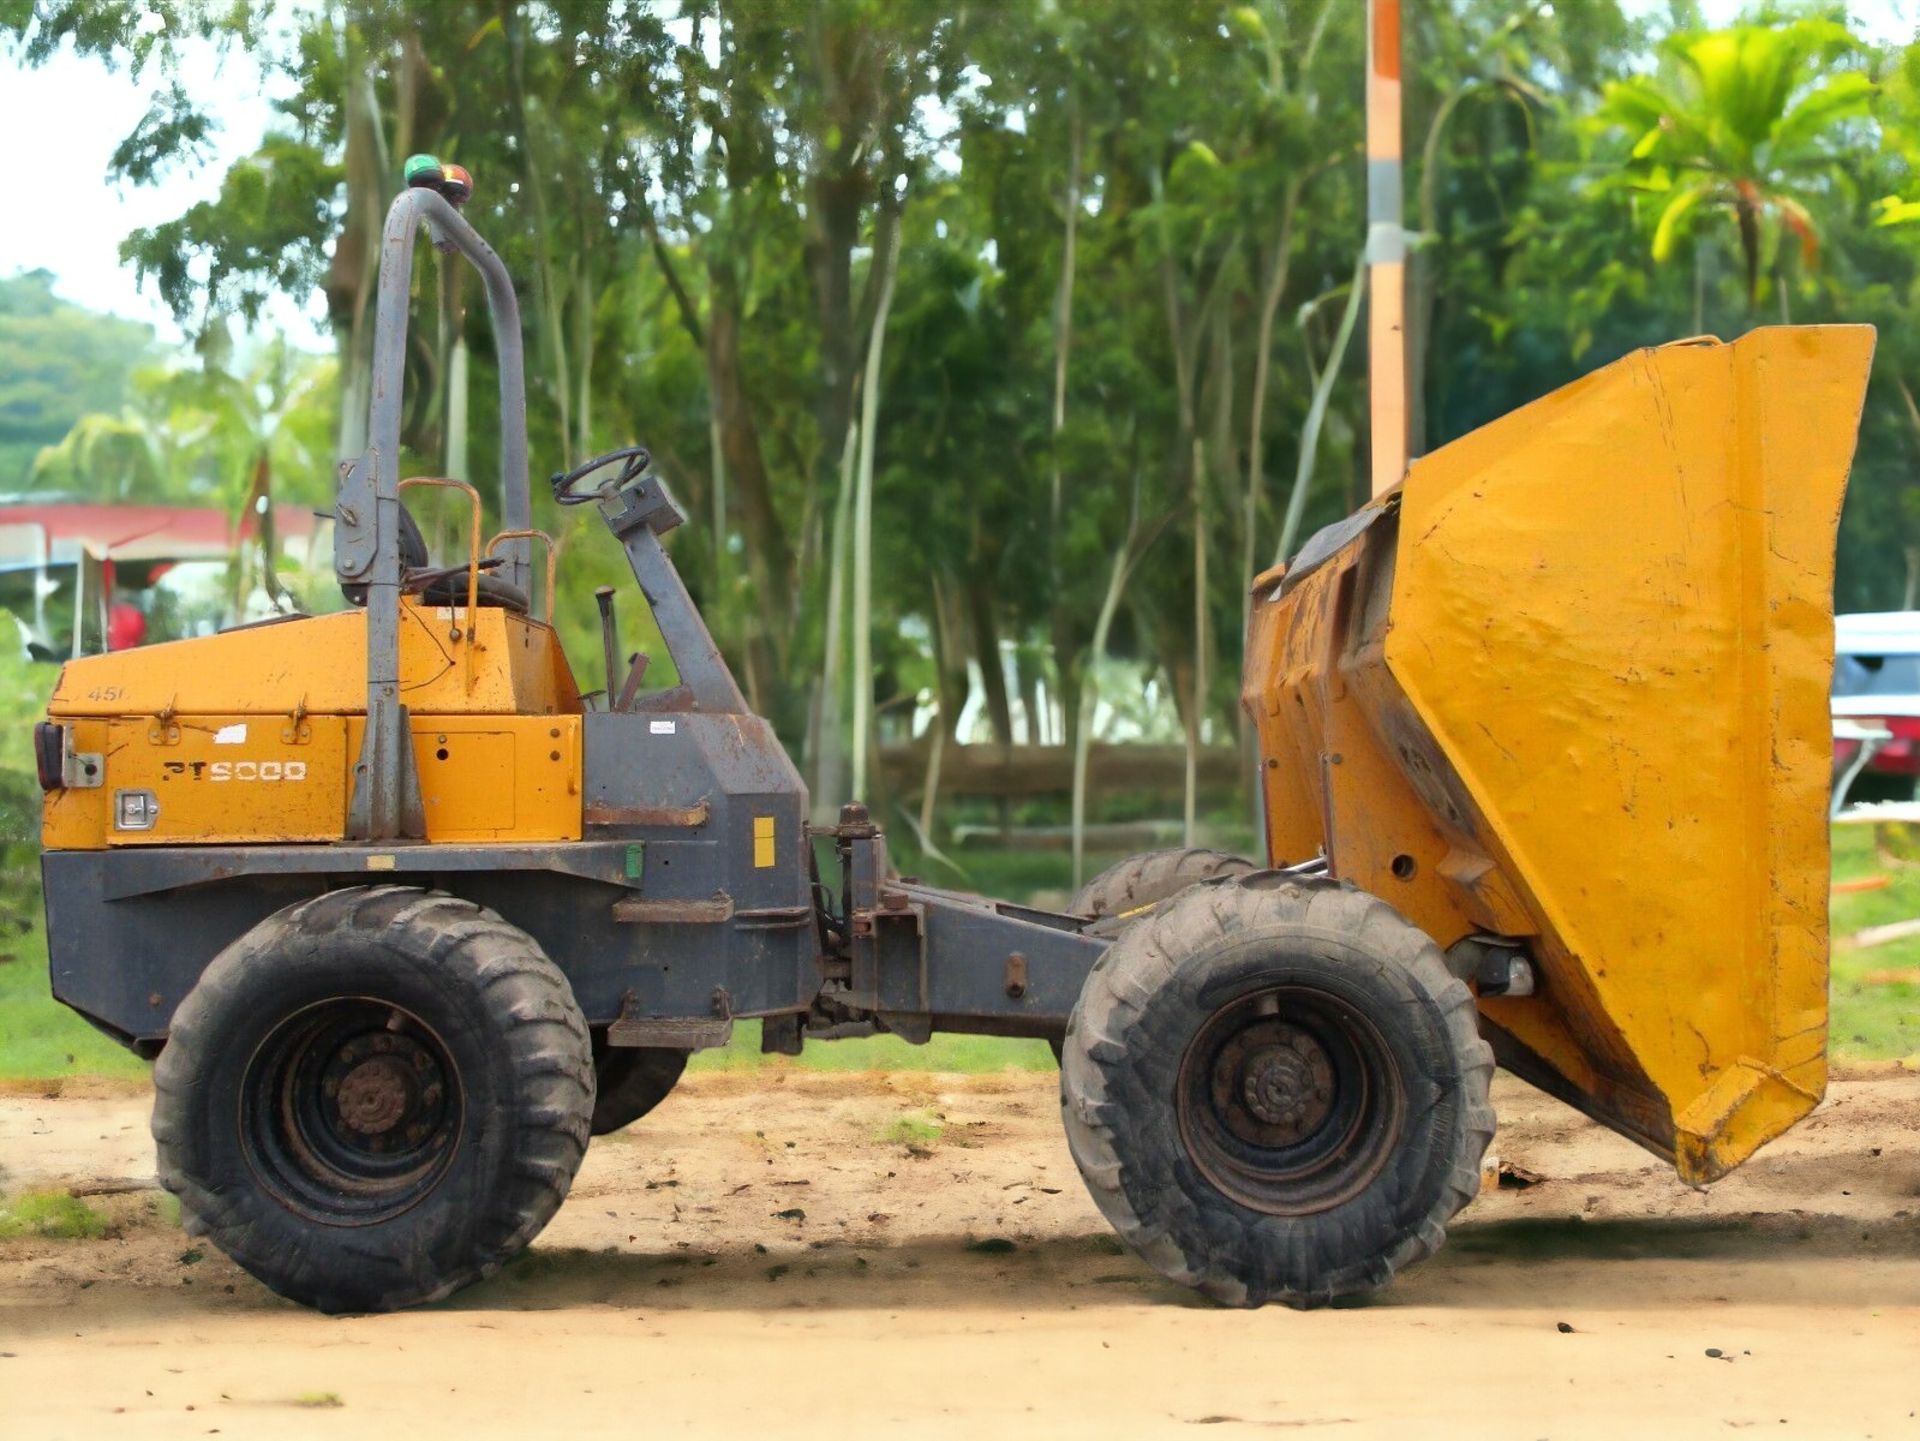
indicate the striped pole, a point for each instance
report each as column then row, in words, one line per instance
column 1386, row 249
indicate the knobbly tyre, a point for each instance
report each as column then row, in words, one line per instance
column 404, row 918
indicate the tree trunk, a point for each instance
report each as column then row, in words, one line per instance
column 1278, row 265
column 830, row 741
column 260, row 504
column 950, row 654
column 458, row 369
column 837, row 189
column 1699, row 285
column 1065, row 650
column 1420, row 270
column 1317, row 412
column 834, row 226
column 1220, row 382
column 456, row 423
column 583, row 338
column 1089, row 700
column 356, row 255
column 690, row 320
column 1277, row 268
column 889, row 260
column 740, row 444
column 717, row 519
column 930, row 788
column 1026, row 671
column 1220, row 456
column 1747, row 216
column 1067, row 664
column 949, row 699
column 769, row 558
column 986, row 649
column 1063, row 315
column 1185, row 333
column 548, row 300
column 1197, row 707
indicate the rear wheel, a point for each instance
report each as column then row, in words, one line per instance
column 1153, row 876
column 1141, row 882
column 1276, row 1091
column 374, row 1098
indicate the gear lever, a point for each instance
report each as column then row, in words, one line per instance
column 609, row 641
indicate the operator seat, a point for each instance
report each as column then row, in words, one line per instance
column 441, row 585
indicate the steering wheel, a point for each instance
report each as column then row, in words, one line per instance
column 633, row 459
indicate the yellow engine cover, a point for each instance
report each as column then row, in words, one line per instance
column 318, row 665
column 251, row 736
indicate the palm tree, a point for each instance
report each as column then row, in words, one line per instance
column 264, row 424
column 209, row 434
column 1741, row 123
column 110, row 458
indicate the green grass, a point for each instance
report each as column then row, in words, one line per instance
column 50, row 1215
column 1011, row 875
column 1872, row 1019
column 915, row 1128
column 972, row 1054
column 39, row 1038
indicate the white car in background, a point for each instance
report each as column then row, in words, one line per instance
column 1876, row 686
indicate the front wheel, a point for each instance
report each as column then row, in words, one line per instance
column 374, row 1098
column 1276, row 1091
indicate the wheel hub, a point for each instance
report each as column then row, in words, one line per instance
column 1273, row 1084
column 1288, row 1101
column 382, row 1091
column 353, row 1110
column 373, row 1096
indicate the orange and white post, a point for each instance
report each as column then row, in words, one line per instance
column 1386, row 249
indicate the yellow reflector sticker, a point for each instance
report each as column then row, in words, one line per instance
column 379, row 863
column 762, row 842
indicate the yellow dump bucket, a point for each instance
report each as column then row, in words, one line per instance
column 1568, row 686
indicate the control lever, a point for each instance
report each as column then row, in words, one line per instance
column 635, row 675
column 609, row 636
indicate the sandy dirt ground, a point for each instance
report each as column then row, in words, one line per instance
column 758, row 1258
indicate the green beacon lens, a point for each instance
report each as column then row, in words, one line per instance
column 423, row 171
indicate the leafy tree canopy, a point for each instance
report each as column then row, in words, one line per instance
column 58, row 361
column 1109, row 245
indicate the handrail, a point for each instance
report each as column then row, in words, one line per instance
column 553, row 555
column 473, row 559
column 386, row 796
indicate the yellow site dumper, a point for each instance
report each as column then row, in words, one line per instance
column 405, row 914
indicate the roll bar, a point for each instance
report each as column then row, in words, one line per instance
column 386, row 791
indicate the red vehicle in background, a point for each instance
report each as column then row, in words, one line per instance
column 1876, row 692
column 80, row 579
